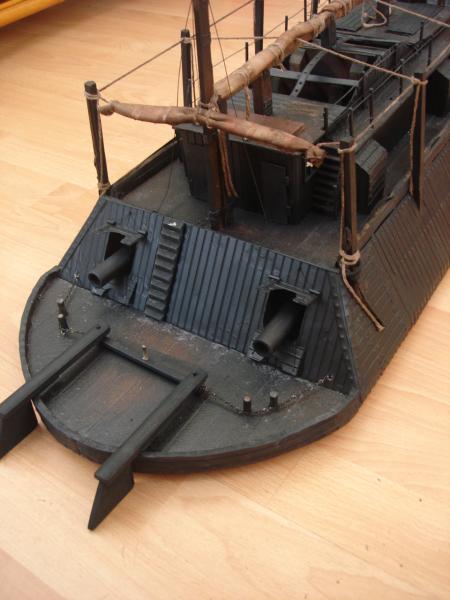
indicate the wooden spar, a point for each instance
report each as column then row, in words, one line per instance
column 206, row 82
column 213, row 119
column 262, row 87
column 289, row 41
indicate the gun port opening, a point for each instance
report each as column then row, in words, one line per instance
column 117, row 262
column 282, row 322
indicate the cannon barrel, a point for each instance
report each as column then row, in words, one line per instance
column 277, row 329
column 116, row 265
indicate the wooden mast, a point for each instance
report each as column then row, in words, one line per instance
column 186, row 66
column 262, row 87
column 350, row 217
column 206, row 80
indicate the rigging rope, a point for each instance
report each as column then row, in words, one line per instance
column 177, row 43
column 146, row 62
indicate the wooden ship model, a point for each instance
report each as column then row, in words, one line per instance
column 238, row 293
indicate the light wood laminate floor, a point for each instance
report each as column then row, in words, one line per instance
column 362, row 514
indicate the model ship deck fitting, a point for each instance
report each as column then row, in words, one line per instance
column 238, row 293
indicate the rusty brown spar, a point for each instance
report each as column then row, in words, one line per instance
column 173, row 115
column 239, row 79
column 276, row 52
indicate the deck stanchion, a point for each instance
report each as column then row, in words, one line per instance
column 400, row 79
column 351, row 123
column 91, row 92
column 325, row 118
column 371, row 106
column 422, row 25
column 417, row 175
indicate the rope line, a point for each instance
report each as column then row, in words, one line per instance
column 235, row 10
column 168, row 49
column 139, row 66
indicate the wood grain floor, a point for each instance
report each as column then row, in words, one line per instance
column 362, row 514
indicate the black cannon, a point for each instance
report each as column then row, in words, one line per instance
column 281, row 326
column 116, row 265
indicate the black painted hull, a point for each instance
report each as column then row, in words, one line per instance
column 402, row 260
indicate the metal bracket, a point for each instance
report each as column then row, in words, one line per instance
column 303, row 76
column 130, row 238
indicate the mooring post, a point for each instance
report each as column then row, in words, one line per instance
column 91, row 93
column 262, row 87
column 206, row 82
column 417, row 175
column 348, row 172
column 186, row 66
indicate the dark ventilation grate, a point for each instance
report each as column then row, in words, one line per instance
column 325, row 196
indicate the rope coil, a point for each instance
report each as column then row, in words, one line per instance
column 365, row 17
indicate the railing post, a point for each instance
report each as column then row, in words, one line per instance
column 91, row 93
column 186, row 66
column 417, row 174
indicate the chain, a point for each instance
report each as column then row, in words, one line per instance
column 267, row 410
column 76, row 279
